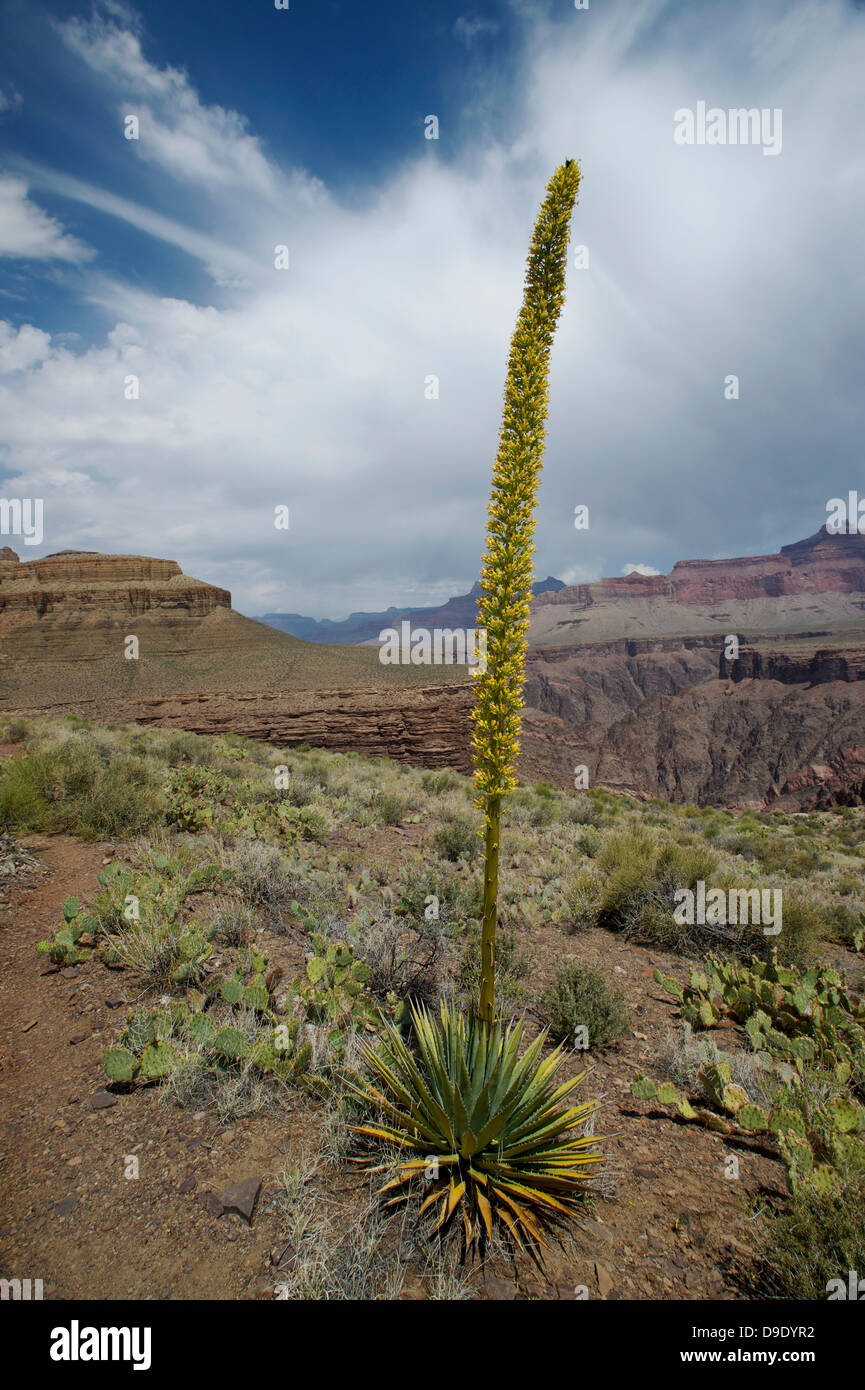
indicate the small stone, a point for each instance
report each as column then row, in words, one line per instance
column 78, row 1038
column 283, row 1256
column 115, row 1001
column 597, row 1229
column 500, row 1289
column 211, row 1203
column 241, row 1198
column 188, row 1184
column 605, row 1280
column 66, row 1206
column 102, row 1100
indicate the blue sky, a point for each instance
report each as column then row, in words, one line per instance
column 306, row 387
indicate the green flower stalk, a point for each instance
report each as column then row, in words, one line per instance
column 508, row 565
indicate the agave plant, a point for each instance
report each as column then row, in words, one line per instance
column 485, row 1127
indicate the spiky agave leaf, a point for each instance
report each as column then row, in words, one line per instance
column 486, row 1128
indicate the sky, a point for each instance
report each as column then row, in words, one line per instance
column 169, row 379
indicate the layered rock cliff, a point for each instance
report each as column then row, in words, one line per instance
column 64, row 628
column 627, row 678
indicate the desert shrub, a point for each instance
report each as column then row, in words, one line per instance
column 302, row 788
column 24, row 801
column 450, row 900
column 583, row 812
column 588, row 842
column 262, row 878
column 543, row 813
column 579, row 895
column 580, row 997
column 389, row 808
column 846, row 924
column 16, row 731
column 457, row 839
column 127, row 797
column 68, row 787
column 409, row 962
column 182, row 748
column 437, row 783
column 802, row 928
column 816, row 1237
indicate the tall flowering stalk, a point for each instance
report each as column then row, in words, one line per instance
column 508, row 565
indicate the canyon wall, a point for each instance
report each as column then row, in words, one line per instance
column 627, row 678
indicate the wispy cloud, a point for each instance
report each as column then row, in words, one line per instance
column 29, row 233
column 206, row 146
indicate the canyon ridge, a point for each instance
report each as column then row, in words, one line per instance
column 634, row 680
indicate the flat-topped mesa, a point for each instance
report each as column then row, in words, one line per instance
column 89, row 566
column 821, row 564
column 79, row 592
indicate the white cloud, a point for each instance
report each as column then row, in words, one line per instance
column 28, row 232
column 22, row 348
column 639, row 569
column 207, row 146
column 306, row 387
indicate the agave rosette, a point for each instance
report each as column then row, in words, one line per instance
column 489, row 1137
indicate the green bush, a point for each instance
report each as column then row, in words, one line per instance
column 69, row 787
column 819, row 1235
column 126, row 798
column 457, row 839
column 16, row 731
column 438, row 783
column 581, row 998
column 388, row 808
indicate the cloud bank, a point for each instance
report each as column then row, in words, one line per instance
column 361, row 386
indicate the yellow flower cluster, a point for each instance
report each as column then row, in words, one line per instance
column 508, row 563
